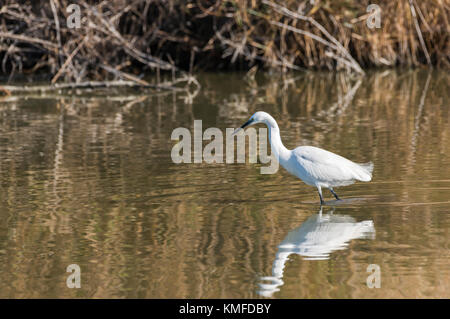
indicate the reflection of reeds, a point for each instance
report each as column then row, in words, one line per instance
column 140, row 226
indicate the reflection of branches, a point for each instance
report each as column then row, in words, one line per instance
column 339, row 107
column 418, row 117
column 190, row 96
column 119, row 115
column 58, row 157
column 329, row 116
column 239, row 105
column 235, row 106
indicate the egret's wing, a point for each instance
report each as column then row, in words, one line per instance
column 331, row 168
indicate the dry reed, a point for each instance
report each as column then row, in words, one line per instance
column 125, row 40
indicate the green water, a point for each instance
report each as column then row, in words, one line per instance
column 89, row 180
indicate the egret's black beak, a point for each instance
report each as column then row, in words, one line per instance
column 243, row 126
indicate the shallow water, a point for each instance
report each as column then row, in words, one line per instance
column 89, row 180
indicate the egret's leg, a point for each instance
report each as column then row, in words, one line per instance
column 335, row 195
column 319, row 189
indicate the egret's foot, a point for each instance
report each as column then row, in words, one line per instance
column 335, row 195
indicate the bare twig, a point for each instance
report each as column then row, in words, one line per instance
column 23, row 38
column 337, row 45
column 73, row 85
column 58, row 31
column 419, row 33
column 69, row 59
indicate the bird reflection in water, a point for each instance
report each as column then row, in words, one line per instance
column 315, row 239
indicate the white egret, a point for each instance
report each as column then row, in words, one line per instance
column 313, row 165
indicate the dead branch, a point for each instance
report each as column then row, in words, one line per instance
column 419, row 32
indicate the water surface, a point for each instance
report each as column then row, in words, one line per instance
column 88, row 180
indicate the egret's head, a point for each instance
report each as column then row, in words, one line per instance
column 258, row 117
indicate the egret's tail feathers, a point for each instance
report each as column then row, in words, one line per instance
column 365, row 172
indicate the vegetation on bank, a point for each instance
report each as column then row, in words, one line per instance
column 120, row 39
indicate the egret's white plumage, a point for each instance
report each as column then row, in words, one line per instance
column 313, row 165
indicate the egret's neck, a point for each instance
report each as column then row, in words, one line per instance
column 278, row 149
